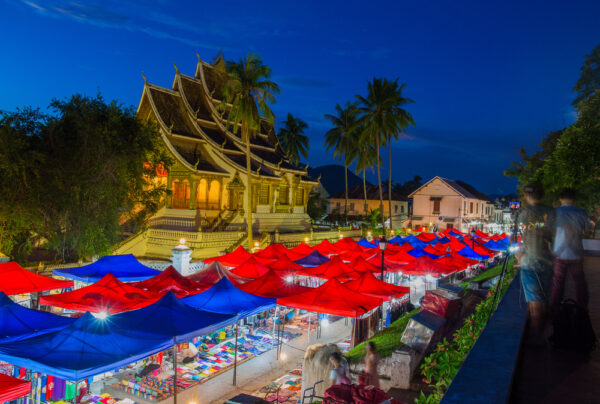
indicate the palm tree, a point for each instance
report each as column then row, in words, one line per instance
column 292, row 139
column 382, row 118
column 365, row 159
column 340, row 138
column 249, row 91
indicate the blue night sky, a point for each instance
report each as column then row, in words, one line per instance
column 487, row 78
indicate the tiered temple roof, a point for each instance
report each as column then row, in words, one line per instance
column 196, row 131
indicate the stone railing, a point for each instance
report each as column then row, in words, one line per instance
column 314, row 237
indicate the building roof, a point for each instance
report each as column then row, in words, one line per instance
column 192, row 125
column 357, row 192
column 464, row 189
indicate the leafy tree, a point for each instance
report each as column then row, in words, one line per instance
column 409, row 186
column 589, row 81
column 365, row 159
column 316, row 206
column 341, row 138
column 248, row 92
column 293, row 140
column 69, row 177
column 383, row 118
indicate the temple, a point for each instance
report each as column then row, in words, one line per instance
column 208, row 180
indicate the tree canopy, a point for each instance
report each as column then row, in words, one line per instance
column 292, row 138
column 70, row 177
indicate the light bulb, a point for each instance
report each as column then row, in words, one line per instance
column 182, row 241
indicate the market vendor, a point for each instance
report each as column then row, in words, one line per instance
column 188, row 353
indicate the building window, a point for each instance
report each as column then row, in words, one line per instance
column 181, row 194
column 263, row 195
column 471, row 207
column 299, row 197
column 436, row 207
column 351, row 208
column 395, row 208
column 476, row 208
column 402, row 209
column 449, row 226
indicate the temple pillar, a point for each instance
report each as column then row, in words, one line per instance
column 193, row 190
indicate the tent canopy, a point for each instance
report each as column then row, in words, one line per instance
column 225, row 298
column 86, row 348
column 496, row 245
column 361, row 265
column 18, row 322
column 272, row 285
column 107, row 295
column 15, row 280
column 213, row 273
column 250, row 269
column 369, row 285
column 283, row 266
column 366, row 243
column 234, row 258
column 325, row 247
column 125, row 267
column 171, row 318
column 170, row 280
column 332, row 298
column 12, row 388
column 313, row 259
column 271, row 252
column 334, row 268
column 389, row 264
column 469, row 253
column 426, row 266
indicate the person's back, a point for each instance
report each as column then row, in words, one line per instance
column 569, row 224
column 536, row 237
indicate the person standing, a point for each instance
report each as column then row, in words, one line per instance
column 339, row 373
column 536, row 260
column 568, row 224
column 371, row 372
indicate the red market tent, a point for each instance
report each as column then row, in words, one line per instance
column 285, row 266
column 271, row 252
column 332, row 298
column 390, row 264
column 435, row 251
column 250, row 269
column 170, row 280
column 12, row 388
column 300, row 251
column 401, row 258
column 213, row 273
column 14, row 280
column 481, row 234
column 334, row 268
column 272, row 285
column 449, row 261
column 345, row 245
column 426, row 237
column 361, row 265
column 426, row 266
column 107, row 295
column 463, row 259
column 369, row 285
column 325, row 247
column 358, row 252
column 233, row 259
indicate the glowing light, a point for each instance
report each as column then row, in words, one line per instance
column 256, row 245
column 182, row 241
column 102, row 315
column 513, row 248
column 283, row 356
column 430, row 278
column 341, row 236
column 324, row 322
column 289, row 279
column 306, row 240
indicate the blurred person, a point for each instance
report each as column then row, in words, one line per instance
column 535, row 260
column 370, row 375
column 568, row 224
column 339, row 373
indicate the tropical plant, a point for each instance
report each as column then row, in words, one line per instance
column 341, row 139
column 364, row 154
column 383, row 118
column 316, row 206
column 248, row 92
column 292, row 139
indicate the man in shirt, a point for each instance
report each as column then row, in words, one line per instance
column 568, row 224
column 535, row 260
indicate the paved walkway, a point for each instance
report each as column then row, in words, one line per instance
column 551, row 376
column 261, row 370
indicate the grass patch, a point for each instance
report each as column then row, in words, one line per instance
column 386, row 341
column 490, row 273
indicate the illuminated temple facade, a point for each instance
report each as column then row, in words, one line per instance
column 208, row 180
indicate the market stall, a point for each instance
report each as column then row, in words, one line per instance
column 15, row 280
column 170, row 280
column 126, row 268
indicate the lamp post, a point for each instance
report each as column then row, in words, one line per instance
column 473, row 234
column 382, row 247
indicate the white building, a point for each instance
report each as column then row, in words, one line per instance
column 443, row 204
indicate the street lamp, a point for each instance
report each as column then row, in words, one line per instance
column 473, row 234
column 382, row 247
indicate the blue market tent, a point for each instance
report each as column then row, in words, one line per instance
column 496, row 245
column 18, row 322
column 86, row 348
column 125, row 268
column 397, row 240
column 170, row 317
column 366, row 243
column 225, row 298
column 314, row 259
column 418, row 252
column 469, row 253
column 444, row 240
column 415, row 242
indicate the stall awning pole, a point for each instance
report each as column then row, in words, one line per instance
column 175, row 372
column 236, row 352
column 274, row 321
